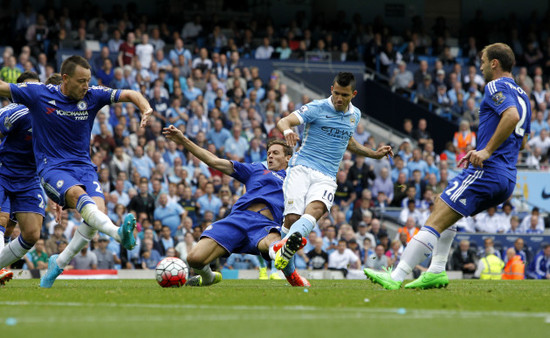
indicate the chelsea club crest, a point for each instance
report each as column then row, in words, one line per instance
column 81, row 105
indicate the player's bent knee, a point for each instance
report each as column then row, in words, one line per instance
column 195, row 259
column 31, row 235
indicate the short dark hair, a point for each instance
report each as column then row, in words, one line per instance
column 501, row 52
column 27, row 75
column 69, row 65
column 345, row 79
column 287, row 149
column 54, row 79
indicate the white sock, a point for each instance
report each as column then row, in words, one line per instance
column 419, row 248
column 82, row 236
column 98, row 220
column 440, row 254
column 1, row 240
column 206, row 273
column 14, row 251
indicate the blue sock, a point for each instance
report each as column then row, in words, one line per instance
column 304, row 225
column 262, row 262
column 289, row 267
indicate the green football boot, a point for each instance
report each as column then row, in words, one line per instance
column 383, row 278
column 429, row 280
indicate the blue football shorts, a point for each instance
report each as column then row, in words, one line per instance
column 57, row 182
column 476, row 189
column 18, row 195
column 241, row 231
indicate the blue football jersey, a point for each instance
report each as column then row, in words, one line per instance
column 16, row 155
column 61, row 126
column 326, row 135
column 262, row 186
column 501, row 94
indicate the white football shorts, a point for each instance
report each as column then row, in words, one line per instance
column 304, row 185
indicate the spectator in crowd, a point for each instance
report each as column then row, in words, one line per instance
column 426, row 89
column 488, row 245
column 330, row 243
column 464, row 259
column 317, row 257
column 170, row 214
column 106, row 259
column 143, row 202
column 540, row 268
column 360, row 174
column 464, row 137
column 526, row 221
column 166, row 241
column 379, row 260
column 402, row 79
column 394, row 253
column 490, row 221
column 514, row 268
column 409, row 228
column 127, row 50
column 38, row 256
column 343, row 258
column 490, row 266
column 85, row 260
column 54, row 239
column 149, row 256
column 514, row 226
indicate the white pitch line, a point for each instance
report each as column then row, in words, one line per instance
column 357, row 311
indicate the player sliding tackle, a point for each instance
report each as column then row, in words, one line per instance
column 255, row 219
column 311, row 181
column 62, row 117
column 505, row 116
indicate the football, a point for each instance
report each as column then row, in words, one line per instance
column 171, row 272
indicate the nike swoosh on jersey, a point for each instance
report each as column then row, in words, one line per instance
column 544, row 194
column 330, row 117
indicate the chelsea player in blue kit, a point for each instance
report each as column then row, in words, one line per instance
column 255, row 219
column 20, row 192
column 62, row 118
column 311, row 181
column 504, row 125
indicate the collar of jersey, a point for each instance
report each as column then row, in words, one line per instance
column 350, row 107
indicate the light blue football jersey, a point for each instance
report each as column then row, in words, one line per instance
column 326, row 135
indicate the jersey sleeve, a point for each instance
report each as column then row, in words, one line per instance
column 500, row 96
column 11, row 117
column 105, row 95
column 307, row 113
column 243, row 170
column 25, row 93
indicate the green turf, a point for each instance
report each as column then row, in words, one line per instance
column 252, row 308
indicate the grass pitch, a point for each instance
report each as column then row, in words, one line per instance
column 253, row 308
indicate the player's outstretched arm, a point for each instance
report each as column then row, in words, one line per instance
column 508, row 121
column 5, row 89
column 285, row 124
column 140, row 101
column 174, row 134
column 360, row 149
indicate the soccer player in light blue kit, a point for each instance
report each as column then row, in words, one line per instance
column 255, row 219
column 20, row 192
column 62, row 118
column 504, row 125
column 311, row 181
